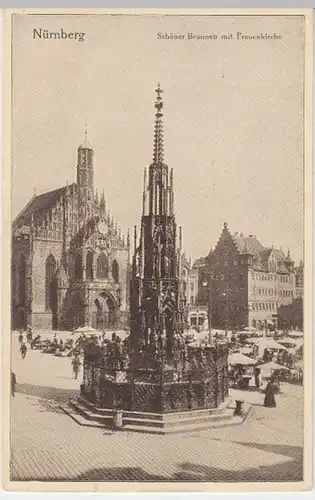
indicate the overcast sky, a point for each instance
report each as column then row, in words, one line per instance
column 233, row 118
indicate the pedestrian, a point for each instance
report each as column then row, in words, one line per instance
column 21, row 337
column 29, row 335
column 23, row 350
column 13, row 383
column 257, row 378
column 270, row 401
column 76, row 365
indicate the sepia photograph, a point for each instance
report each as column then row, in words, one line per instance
column 157, row 329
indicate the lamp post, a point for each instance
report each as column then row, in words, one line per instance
column 226, row 295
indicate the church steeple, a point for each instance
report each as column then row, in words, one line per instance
column 102, row 205
column 85, row 179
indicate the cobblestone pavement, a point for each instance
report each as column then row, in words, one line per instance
column 46, row 444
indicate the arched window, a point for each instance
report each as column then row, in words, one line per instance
column 102, row 266
column 89, row 266
column 22, row 280
column 50, row 276
column 78, row 267
column 115, row 271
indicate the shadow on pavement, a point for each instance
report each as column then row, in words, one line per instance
column 56, row 394
column 290, row 472
column 287, row 471
column 286, row 450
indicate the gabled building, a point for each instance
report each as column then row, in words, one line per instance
column 246, row 282
column 69, row 259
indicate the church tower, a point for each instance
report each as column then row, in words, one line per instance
column 85, row 180
column 155, row 315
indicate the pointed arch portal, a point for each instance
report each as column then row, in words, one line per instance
column 104, row 312
column 51, row 288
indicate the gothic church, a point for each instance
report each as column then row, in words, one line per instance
column 70, row 263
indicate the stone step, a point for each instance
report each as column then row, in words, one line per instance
column 190, row 421
column 90, row 415
column 173, row 423
column 173, row 415
column 92, row 407
column 80, row 419
column 184, row 429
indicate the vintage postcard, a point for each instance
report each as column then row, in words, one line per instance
column 157, row 242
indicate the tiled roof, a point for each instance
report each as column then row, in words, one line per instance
column 201, row 262
column 39, row 205
column 260, row 254
column 265, row 254
column 248, row 243
column 279, row 254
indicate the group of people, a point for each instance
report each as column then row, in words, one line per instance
column 272, row 387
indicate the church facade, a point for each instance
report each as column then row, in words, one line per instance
column 70, row 263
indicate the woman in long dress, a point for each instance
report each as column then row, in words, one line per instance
column 270, row 401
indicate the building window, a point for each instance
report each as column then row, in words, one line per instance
column 192, row 301
column 191, row 287
column 78, row 266
column 102, row 266
column 89, row 266
column 115, row 271
column 50, row 277
column 22, row 280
